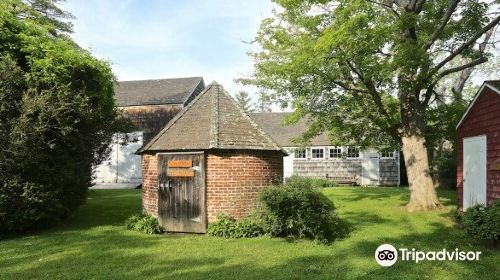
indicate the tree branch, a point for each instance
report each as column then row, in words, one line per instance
column 385, row 5
column 465, row 45
column 452, row 6
column 462, row 67
column 372, row 90
column 430, row 89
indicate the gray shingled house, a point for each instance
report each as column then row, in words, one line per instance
column 210, row 158
column 150, row 104
column 346, row 164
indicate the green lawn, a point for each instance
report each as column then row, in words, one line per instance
column 96, row 245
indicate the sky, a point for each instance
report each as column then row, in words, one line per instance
column 157, row 39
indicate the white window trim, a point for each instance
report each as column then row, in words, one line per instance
column 347, row 154
column 393, row 155
column 318, row 148
column 305, row 154
column 336, row 147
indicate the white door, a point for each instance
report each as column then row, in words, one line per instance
column 123, row 165
column 128, row 164
column 288, row 164
column 474, row 172
column 370, row 169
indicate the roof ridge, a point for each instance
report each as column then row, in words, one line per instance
column 254, row 124
column 192, row 89
column 214, row 126
column 174, row 120
column 476, row 96
column 161, row 79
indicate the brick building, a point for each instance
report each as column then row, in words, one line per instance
column 150, row 104
column 210, row 158
column 319, row 159
column 478, row 163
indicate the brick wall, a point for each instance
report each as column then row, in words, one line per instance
column 482, row 119
column 150, row 119
column 235, row 177
column 150, row 184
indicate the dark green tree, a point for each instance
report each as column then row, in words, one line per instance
column 244, row 100
column 367, row 71
column 57, row 117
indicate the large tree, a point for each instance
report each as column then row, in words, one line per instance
column 367, row 71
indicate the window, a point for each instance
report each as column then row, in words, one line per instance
column 300, row 153
column 335, row 152
column 388, row 154
column 352, row 152
column 318, row 153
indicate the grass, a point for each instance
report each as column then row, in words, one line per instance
column 94, row 244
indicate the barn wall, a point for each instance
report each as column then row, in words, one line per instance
column 333, row 167
column 483, row 119
column 389, row 171
column 150, row 184
column 235, row 177
column 151, row 118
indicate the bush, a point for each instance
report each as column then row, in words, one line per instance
column 227, row 227
column 300, row 211
column 144, row 223
column 483, row 222
column 57, row 117
column 311, row 182
column 24, row 204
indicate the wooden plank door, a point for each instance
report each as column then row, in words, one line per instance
column 182, row 192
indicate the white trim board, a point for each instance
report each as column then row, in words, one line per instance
column 480, row 91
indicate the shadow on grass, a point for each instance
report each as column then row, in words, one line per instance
column 100, row 209
column 111, row 252
column 376, row 193
column 111, row 260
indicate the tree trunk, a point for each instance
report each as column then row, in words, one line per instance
column 423, row 195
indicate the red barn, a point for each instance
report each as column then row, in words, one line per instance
column 478, row 166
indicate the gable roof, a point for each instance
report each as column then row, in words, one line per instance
column 213, row 120
column 154, row 92
column 494, row 85
column 274, row 125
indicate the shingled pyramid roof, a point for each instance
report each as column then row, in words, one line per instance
column 213, row 120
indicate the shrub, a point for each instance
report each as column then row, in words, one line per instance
column 25, row 204
column 300, row 211
column 227, row 227
column 57, row 117
column 144, row 223
column 311, row 182
column 483, row 222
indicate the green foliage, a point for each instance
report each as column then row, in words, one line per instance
column 295, row 210
column 57, row 117
column 144, row 223
column 244, row 101
column 441, row 140
column 298, row 181
column 483, row 222
column 366, row 71
column 227, row 227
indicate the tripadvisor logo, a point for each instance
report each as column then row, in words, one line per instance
column 387, row 255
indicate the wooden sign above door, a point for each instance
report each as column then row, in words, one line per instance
column 180, row 163
column 181, row 172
